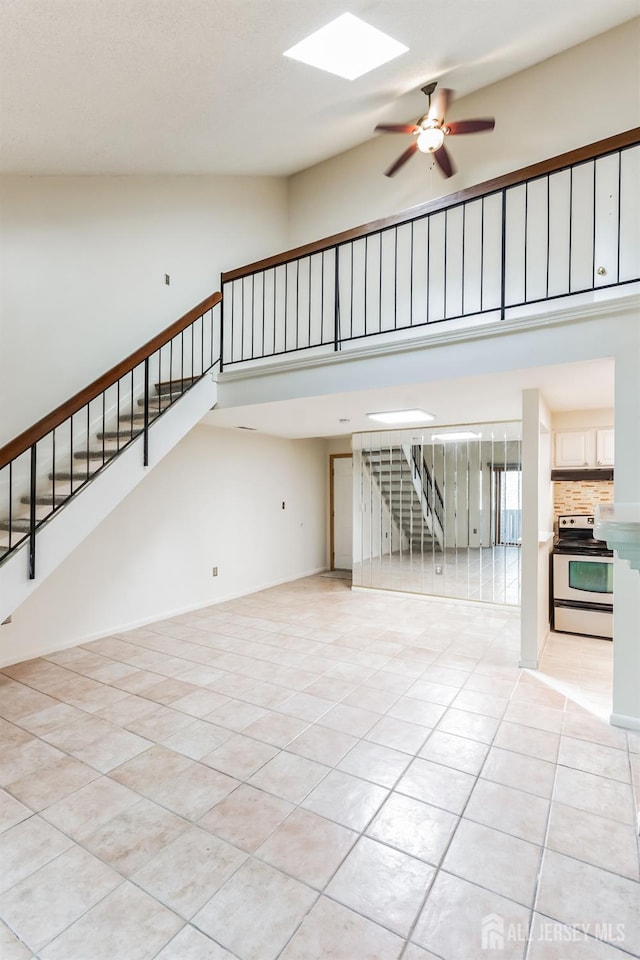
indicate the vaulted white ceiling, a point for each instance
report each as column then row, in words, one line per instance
column 200, row 86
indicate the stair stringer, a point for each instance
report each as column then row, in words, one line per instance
column 69, row 526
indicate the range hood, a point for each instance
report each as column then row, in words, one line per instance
column 592, row 473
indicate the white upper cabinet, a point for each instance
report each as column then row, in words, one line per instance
column 604, row 447
column 583, row 449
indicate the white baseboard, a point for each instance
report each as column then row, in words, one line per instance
column 620, row 720
column 44, row 649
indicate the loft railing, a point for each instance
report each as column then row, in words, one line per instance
column 565, row 226
column 43, row 468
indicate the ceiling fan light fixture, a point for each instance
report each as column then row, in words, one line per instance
column 430, row 139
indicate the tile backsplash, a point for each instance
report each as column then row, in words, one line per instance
column 580, row 496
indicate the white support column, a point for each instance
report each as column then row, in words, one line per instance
column 537, row 522
column 626, row 607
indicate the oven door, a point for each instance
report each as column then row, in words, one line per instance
column 582, row 578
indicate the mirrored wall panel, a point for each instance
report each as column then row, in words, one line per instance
column 439, row 511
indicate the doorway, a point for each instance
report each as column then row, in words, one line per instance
column 341, row 510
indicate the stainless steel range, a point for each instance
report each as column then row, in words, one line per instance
column 582, row 580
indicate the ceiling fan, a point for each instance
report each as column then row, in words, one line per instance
column 430, row 131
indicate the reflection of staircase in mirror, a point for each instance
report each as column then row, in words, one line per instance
column 399, row 487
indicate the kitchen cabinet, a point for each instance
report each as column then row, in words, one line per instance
column 604, row 447
column 583, row 449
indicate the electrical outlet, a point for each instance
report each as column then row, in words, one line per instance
column 439, row 571
column 167, row 279
column 283, row 504
column 214, row 572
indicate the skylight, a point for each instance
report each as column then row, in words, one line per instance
column 402, row 416
column 348, row 47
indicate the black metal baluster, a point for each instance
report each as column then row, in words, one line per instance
column 351, row 289
column 253, row 312
column 503, row 256
column 322, row 298
column 570, row 224
column 366, row 268
column 71, row 453
column 286, row 303
column 88, row 443
column 132, row 401
column 297, row 303
column 10, row 502
column 380, row 282
column 411, row 279
column 446, row 235
column 242, row 285
column 275, row 308
column 309, row 334
column 464, row 230
column 395, row 278
column 222, row 316
column 548, row 235
column 32, row 514
column 336, row 301
column 104, row 427
column 181, row 361
column 170, row 378
column 482, row 255
column 145, row 456
column 526, row 238
column 428, row 267
column 619, row 214
column 264, row 306
column 53, row 467
column 593, row 238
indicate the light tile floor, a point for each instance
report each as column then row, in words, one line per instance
column 311, row 773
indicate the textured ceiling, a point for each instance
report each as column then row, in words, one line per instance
column 200, row 86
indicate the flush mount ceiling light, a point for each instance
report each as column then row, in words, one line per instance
column 402, row 416
column 462, row 435
column 348, row 47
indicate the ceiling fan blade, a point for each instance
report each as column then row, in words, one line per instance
column 397, row 127
column 402, row 159
column 440, row 104
column 471, row 126
column 443, row 160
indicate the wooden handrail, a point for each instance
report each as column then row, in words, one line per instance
column 23, row 441
column 609, row 145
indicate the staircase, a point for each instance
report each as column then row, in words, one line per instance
column 60, row 485
column 54, row 485
column 394, row 476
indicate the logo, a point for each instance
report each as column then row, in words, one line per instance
column 492, row 932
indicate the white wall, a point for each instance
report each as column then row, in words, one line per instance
column 216, row 499
column 582, row 419
column 83, row 265
column 582, row 95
